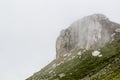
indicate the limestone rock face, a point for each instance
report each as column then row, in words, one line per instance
column 88, row 49
column 90, row 32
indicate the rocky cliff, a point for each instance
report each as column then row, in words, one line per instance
column 89, row 49
column 90, row 32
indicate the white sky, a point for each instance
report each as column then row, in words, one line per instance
column 29, row 28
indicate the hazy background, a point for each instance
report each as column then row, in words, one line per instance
column 29, row 28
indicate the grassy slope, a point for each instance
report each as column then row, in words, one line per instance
column 88, row 67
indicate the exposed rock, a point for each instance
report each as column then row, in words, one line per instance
column 79, row 53
column 118, row 30
column 95, row 53
column 100, row 55
column 76, row 47
column 61, row 75
column 90, row 32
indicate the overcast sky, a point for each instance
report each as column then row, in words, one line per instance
column 29, row 28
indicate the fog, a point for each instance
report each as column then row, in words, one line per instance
column 29, row 28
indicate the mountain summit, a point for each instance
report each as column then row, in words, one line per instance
column 89, row 49
column 90, row 32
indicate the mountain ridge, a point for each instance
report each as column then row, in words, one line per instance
column 92, row 31
column 89, row 49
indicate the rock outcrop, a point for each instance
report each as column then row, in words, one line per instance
column 89, row 49
column 90, row 32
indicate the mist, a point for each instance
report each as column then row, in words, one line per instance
column 29, row 28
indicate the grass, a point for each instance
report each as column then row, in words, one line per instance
column 88, row 66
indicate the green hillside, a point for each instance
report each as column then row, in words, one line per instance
column 84, row 66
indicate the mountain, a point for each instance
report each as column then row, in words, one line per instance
column 89, row 49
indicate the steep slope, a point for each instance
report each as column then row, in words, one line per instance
column 88, row 50
column 90, row 32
